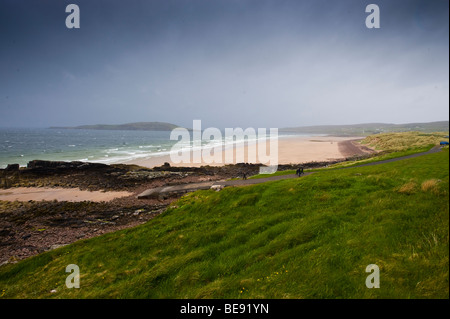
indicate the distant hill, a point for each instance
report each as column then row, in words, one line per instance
column 139, row 126
column 369, row 128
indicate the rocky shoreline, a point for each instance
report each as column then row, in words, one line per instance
column 120, row 177
column 30, row 228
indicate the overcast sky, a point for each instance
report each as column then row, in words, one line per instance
column 229, row 63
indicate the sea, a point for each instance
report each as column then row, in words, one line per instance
column 22, row 145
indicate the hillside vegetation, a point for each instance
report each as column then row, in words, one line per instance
column 310, row 237
column 394, row 142
column 394, row 145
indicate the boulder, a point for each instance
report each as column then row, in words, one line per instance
column 12, row 167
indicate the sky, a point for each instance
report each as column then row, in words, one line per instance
column 228, row 63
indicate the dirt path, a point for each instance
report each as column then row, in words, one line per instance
column 165, row 191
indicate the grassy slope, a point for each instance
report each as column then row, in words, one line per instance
column 302, row 238
column 393, row 145
column 404, row 141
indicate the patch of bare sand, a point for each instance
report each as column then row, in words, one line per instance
column 59, row 194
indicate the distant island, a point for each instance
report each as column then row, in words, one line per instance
column 369, row 128
column 138, row 126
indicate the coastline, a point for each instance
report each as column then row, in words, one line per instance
column 65, row 202
column 292, row 150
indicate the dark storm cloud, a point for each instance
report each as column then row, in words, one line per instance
column 228, row 62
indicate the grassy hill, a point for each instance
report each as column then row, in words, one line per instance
column 395, row 142
column 392, row 145
column 139, row 126
column 369, row 128
column 314, row 241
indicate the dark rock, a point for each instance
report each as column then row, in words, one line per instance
column 64, row 165
column 44, row 164
column 4, row 232
column 12, row 167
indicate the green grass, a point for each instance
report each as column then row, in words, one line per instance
column 381, row 157
column 404, row 141
column 278, row 173
column 310, row 237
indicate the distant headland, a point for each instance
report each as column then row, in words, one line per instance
column 369, row 128
column 138, row 126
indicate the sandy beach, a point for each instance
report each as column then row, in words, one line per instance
column 291, row 150
column 59, row 194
